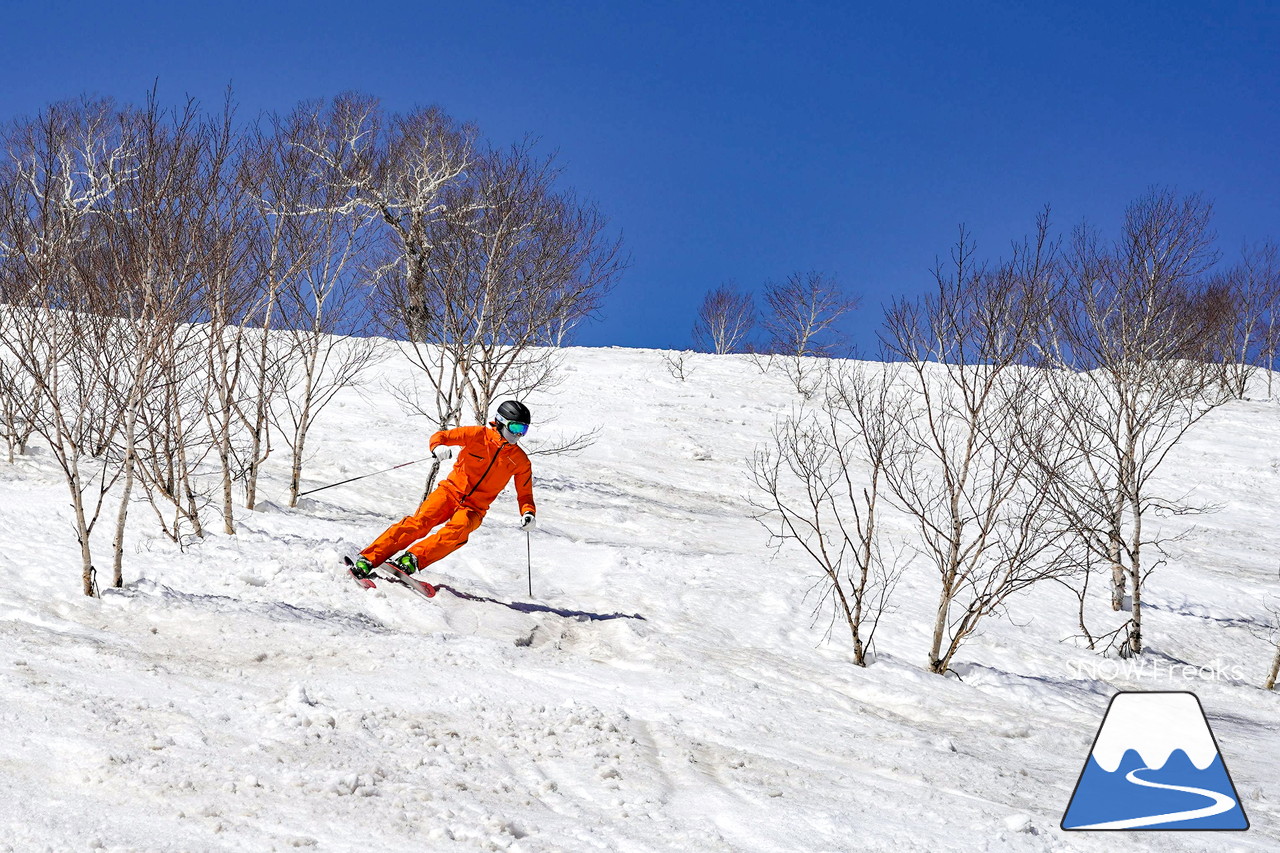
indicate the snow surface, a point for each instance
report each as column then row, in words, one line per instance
column 243, row 694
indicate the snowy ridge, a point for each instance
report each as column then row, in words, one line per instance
column 244, row 695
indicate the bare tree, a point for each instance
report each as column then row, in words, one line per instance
column 820, row 479
column 1241, row 306
column 533, row 258
column 678, row 363
column 277, row 169
column 17, row 393
column 958, row 467
column 398, row 168
column 311, row 254
column 511, row 263
column 162, row 240
column 135, row 331
column 231, row 296
column 1270, row 631
column 324, row 311
column 1134, row 378
column 803, row 312
column 59, row 169
column 800, row 323
column 725, row 321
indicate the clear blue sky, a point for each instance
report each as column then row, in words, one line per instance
column 747, row 140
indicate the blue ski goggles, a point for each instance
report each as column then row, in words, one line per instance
column 516, row 428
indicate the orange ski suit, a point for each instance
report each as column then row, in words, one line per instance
column 484, row 466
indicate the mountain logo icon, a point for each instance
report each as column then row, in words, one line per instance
column 1155, row 765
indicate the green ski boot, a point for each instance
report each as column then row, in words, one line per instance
column 362, row 568
column 406, row 563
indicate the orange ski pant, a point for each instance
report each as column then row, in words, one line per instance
column 440, row 507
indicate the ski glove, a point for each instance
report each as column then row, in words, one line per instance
column 528, row 522
column 442, row 452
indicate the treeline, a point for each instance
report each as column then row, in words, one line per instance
column 181, row 291
column 1018, row 424
column 800, row 320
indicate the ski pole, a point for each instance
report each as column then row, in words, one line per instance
column 528, row 554
column 362, row 476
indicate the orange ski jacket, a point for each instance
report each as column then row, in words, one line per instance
column 484, row 466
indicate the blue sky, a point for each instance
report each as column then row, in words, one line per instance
column 745, row 141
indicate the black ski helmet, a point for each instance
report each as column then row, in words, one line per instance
column 514, row 410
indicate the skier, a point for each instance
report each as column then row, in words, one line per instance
column 487, row 460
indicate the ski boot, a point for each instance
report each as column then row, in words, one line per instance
column 406, row 563
column 362, row 569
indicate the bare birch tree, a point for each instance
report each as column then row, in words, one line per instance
column 59, row 169
column 1269, row 631
column 821, row 477
column 398, row 168
column 17, row 392
column 231, row 297
column 324, row 308
column 512, row 263
column 1246, row 299
column 802, row 312
column 725, row 320
column 800, row 322
column 1134, row 377
column 278, row 171
column 536, row 259
column 164, row 215
column 958, row 468
column 395, row 170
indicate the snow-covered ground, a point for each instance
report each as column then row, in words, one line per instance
column 245, row 695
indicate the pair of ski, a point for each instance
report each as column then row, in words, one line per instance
column 394, row 574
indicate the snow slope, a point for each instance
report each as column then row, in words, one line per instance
column 245, row 695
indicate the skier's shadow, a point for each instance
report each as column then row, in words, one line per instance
column 527, row 607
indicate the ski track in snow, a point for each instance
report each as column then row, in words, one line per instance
column 244, row 695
